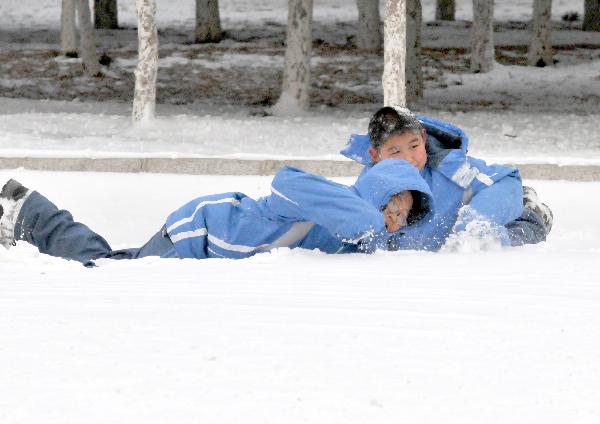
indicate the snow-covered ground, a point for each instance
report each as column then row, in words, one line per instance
column 65, row 129
column 298, row 336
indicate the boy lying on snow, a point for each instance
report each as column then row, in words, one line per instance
column 303, row 210
column 487, row 201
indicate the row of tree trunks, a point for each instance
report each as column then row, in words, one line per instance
column 402, row 76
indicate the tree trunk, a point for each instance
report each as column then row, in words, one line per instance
column 68, row 32
column 87, row 43
column 591, row 15
column 394, row 54
column 540, row 49
column 208, row 21
column 444, row 10
column 144, row 96
column 414, row 72
column 105, row 14
column 296, row 73
column 369, row 25
column 482, row 51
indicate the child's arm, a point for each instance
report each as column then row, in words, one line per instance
column 297, row 195
column 493, row 191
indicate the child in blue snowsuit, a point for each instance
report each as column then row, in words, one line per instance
column 303, row 210
column 469, row 195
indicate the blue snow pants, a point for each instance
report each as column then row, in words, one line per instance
column 54, row 232
column 529, row 228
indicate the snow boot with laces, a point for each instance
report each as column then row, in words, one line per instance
column 12, row 197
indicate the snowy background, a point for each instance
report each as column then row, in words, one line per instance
column 213, row 98
column 466, row 336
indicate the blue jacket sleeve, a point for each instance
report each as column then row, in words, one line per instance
column 494, row 191
column 297, row 195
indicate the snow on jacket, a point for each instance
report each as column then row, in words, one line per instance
column 492, row 192
column 303, row 210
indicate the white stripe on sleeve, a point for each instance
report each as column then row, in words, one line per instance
column 200, row 205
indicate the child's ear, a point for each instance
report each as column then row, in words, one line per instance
column 424, row 135
column 374, row 155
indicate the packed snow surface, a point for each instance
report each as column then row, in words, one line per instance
column 65, row 129
column 297, row 336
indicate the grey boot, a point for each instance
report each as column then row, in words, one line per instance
column 12, row 197
column 532, row 202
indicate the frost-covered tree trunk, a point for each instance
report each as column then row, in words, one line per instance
column 208, row 21
column 144, row 96
column 445, row 10
column 540, row 49
column 482, row 38
column 296, row 73
column 394, row 54
column 414, row 72
column 68, row 31
column 87, row 42
column 369, row 25
column 591, row 15
column 105, row 14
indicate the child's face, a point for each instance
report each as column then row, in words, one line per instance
column 409, row 146
column 397, row 210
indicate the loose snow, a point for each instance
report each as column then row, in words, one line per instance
column 297, row 336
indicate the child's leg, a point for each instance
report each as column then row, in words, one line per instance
column 528, row 229
column 54, row 232
column 535, row 223
column 159, row 245
column 29, row 216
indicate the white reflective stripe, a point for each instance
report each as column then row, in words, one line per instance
column 485, row 179
column 201, row 232
column 214, row 253
column 234, row 247
column 274, row 191
column 465, row 175
column 198, row 207
column 296, row 232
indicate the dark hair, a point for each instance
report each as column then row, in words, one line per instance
column 389, row 121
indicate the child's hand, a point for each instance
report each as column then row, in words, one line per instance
column 397, row 210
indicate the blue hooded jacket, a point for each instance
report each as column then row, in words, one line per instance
column 303, row 210
column 493, row 192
